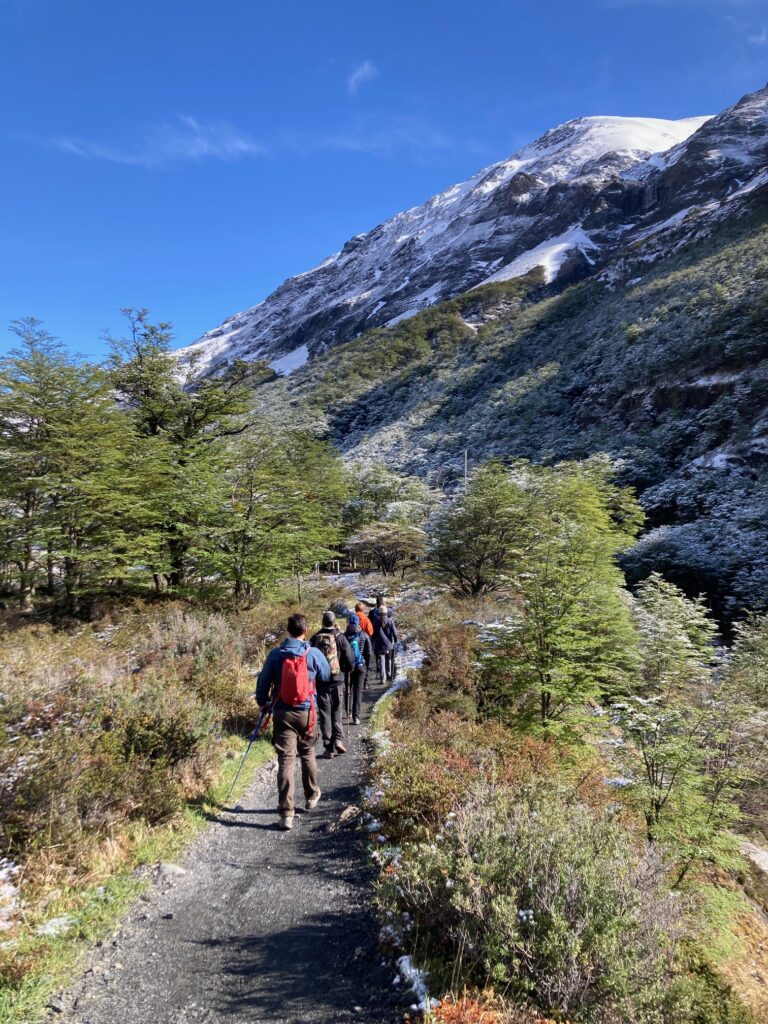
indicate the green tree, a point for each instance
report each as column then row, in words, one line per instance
column 570, row 640
column 688, row 750
column 282, row 509
column 379, row 494
column 30, row 397
column 391, row 547
column 98, row 520
column 189, row 418
column 476, row 543
column 748, row 665
column 73, row 483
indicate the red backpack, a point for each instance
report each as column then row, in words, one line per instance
column 296, row 686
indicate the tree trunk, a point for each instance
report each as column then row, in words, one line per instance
column 178, row 551
column 27, row 580
column 49, row 571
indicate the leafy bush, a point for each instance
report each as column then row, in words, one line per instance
column 121, row 721
column 540, row 899
column 697, row 995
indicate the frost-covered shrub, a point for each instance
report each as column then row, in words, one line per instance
column 543, row 900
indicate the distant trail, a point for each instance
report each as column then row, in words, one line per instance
column 264, row 926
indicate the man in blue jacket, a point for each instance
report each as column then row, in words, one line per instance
column 288, row 682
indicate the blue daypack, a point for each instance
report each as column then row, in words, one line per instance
column 357, row 650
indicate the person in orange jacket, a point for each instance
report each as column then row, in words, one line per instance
column 365, row 623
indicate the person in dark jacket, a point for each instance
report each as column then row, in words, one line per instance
column 335, row 646
column 294, row 728
column 358, row 639
column 384, row 639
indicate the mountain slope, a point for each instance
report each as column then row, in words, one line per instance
column 661, row 362
column 466, row 235
column 604, row 301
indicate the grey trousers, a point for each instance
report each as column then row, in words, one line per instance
column 386, row 665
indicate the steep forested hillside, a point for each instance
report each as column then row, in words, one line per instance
column 661, row 363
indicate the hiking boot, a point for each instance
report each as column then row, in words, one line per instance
column 355, row 720
column 314, row 800
column 329, row 754
column 286, row 822
column 340, row 748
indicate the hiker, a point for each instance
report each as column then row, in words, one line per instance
column 365, row 623
column 384, row 640
column 288, row 682
column 335, row 646
column 362, row 651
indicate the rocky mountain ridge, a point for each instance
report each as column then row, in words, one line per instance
column 572, row 202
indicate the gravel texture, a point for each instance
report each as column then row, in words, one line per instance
column 255, row 924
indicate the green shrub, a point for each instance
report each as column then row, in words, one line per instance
column 163, row 722
column 698, row 996
column 541, row 899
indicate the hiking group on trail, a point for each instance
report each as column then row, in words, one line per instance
column 307, row 685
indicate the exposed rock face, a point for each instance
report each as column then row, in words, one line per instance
column 570, row 202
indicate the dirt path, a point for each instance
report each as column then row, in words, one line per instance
column 261, row 925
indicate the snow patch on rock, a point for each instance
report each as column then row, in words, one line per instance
column 292, row 361
column 550, row 254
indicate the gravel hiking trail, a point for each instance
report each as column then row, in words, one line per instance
column 255, row 924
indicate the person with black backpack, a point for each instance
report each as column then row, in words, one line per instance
column 384, row 639
column 362, row 650
column 288, row 683
column 332, row 643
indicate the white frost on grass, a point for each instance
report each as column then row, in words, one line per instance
column 292, row 361
column 417, row 982
column 9, row 893
column 549, row 254
column 56, row 926
column 410, row 657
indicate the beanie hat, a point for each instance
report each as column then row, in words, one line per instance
column 329, row 618
column 353, row 620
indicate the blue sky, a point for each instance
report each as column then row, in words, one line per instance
column 189, row 155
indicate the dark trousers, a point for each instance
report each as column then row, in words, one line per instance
column 289, row 736
column 329, row 714
column 353, row 692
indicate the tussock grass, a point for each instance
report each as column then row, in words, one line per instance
column 118, row 742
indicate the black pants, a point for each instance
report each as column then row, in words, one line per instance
column 329, row 714
column 353, row 696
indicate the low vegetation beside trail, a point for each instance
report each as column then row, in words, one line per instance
column 564, row 779
column 118, row 738
column 566, row 782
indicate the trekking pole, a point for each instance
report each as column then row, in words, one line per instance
column 261, row 723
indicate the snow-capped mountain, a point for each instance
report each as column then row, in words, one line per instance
column 568, row 202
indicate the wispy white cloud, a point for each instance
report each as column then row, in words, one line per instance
column 382, row 136
column 759, row 38
column 184, row 140
column 366, row 71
